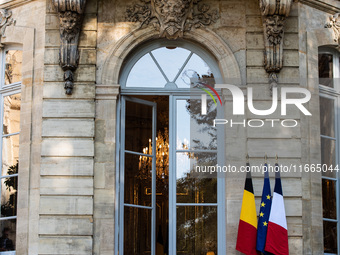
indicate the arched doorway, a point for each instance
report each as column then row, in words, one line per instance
column 165, row 205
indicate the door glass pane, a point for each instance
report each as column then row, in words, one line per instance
column 8, row 239
column 9, row 188
column 145, row 73
column 329, row 199
column 138, row 180
column 10, row 154
column 196, row 230
column 327, row 116
column 138, row 127
column 192, row 185
column 137, row 231
column 330, row 237
column 196, row 65
column 13, row 66
column 195, row 131
column 328, row 156
column 326, row 73
column 171, row 59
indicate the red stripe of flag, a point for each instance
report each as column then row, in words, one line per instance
column 277, row 243
column 246, row 238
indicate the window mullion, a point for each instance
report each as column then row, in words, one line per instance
column 3, row 68
column 181, row 69
column 159, row 67
column 336, row 74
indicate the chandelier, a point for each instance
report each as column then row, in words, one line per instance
column 162, row 161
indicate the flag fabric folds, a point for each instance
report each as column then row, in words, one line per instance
column 277, row 234
column 265, row 206
column 246, row 237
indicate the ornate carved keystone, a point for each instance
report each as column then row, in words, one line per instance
column 274, row 14
column 70, row 21
column 172, row 17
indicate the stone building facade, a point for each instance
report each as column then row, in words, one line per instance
column 70, row 175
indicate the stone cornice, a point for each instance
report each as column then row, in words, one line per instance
column 10, row 4
column 330, row 6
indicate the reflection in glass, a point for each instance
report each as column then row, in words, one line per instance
column 8, row 235
column 327, row 115
column 11, row 117
column 9, row 187
column 137, row 231
column 138, row 179
column 330, row 237
column 138, row 128
column 10, row 153
column 145, row 73
column 194, row 186
column 162, row 162
column 13, row 66
column 329, row 199
column 196, row 230
column 171, row 60
column 326, row 70
column 328, row 156
column 194, row 130
column 196, row 64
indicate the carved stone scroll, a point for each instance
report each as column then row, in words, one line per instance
column 334, row 23
column 5, row 21
column 70, row 20
column 172, row 17
column 274, row 14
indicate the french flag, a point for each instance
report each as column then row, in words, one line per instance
column 277, row 234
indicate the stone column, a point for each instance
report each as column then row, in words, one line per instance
column 105, row 169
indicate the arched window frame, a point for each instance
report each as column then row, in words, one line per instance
column 150, row 46
column 174, row 94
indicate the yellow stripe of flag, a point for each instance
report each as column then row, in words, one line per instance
column 248, row 210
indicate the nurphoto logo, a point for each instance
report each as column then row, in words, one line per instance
column 238, row 98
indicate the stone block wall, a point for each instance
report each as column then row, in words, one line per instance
column 67, row 146
column 78, row 132
column 241, row 28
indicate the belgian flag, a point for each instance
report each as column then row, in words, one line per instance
column 247, row 228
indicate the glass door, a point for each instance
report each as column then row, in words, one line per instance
column 169, row 203
column 137, row 177
column 195, row 204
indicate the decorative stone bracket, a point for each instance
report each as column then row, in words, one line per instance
column 334, row 23
column 5, row 21
column 70, row 21
column 173, row 17
column 274, row 14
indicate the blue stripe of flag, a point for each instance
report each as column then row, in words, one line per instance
column 263, row 220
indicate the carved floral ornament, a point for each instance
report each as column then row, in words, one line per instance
column 172, row 17
column 334, row 23
column 70, row 20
